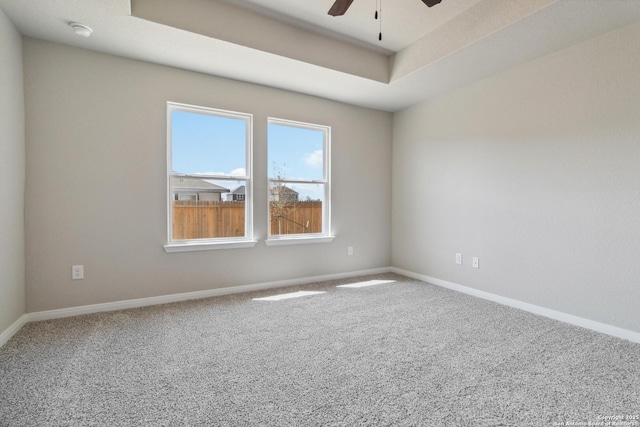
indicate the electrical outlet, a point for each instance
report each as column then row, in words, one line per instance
column 459, row 259
column 476, row 262
column 350, row 250
column 77, row 272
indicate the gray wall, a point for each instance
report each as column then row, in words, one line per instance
column 12, row 176
column 537, row 172
column 96, row 165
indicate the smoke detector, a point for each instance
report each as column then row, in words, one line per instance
column 81, row 29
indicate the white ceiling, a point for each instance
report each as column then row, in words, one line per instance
column 401, row 21
column 295, row 45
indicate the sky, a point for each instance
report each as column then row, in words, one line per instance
column 203, row 144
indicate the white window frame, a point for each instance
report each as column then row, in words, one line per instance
column 326, row 235
column 221, row 242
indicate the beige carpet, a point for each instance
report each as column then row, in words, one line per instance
column 401, row 353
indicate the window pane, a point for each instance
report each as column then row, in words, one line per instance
column 207, row 209
column 295, row 153
column 208, row 144
column 295, row 208
column 209, row 174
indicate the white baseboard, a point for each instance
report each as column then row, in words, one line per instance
column 164, row 299
column 542, row 311
column 11, row 330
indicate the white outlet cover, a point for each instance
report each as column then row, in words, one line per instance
column 77, row 272
column 459, row 259
column 476, row 262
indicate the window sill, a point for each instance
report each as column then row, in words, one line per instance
column 281, row 241
column 208, row 246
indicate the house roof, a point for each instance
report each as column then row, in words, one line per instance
column 183, row 183
column 282, row 190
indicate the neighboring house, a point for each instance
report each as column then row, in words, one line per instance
column 282, row 193
column 237, row 195
column 187, row 188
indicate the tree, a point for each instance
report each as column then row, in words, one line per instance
column 283, row 202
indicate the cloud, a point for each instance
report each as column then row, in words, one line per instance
column 238, row 172
column 314, row 160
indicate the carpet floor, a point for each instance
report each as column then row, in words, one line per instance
column 398, row 353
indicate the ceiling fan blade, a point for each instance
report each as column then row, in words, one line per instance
column 340, row 7
column 431, row 3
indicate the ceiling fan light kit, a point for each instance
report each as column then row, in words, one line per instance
column 340, row 7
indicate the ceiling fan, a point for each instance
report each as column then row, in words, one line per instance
column 340, row 6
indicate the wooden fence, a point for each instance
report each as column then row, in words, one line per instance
column 296, row 217
column 211, row 219
column 207, row 219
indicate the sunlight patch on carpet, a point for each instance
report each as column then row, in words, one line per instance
column 289, row 295
column 367, row 283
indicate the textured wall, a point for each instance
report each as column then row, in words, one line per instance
column 96, row 148
column 536, row 172
column 12, row 175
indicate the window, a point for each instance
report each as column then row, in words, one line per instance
column 209, row 178
column 299, row 186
